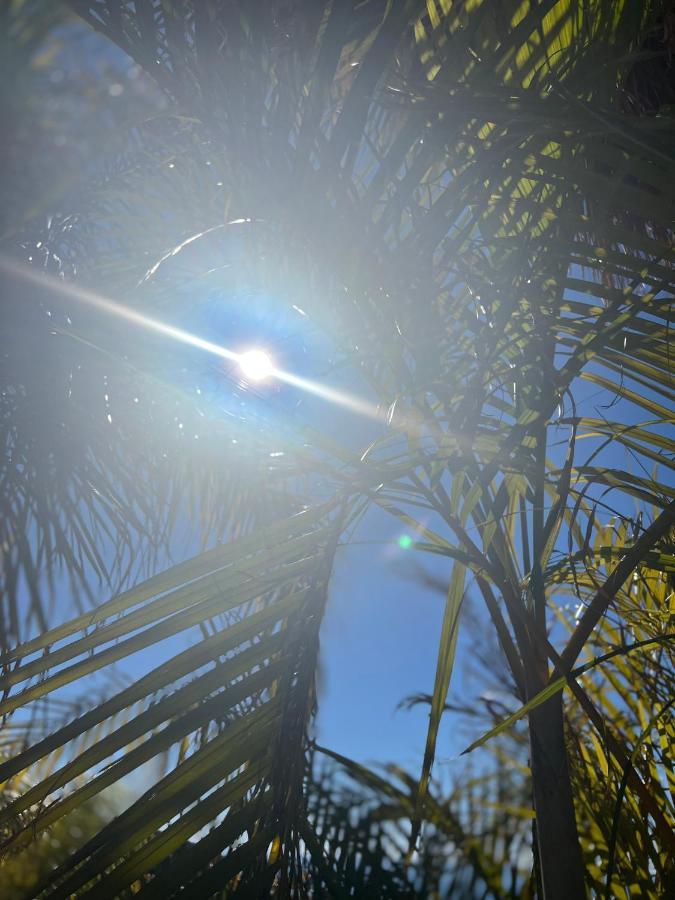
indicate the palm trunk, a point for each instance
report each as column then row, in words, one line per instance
column 562, row 868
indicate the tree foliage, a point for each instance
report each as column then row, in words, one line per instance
column 472, row 201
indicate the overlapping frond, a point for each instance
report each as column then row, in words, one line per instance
column 469, row 199
column 229, row 713
column 471, row 845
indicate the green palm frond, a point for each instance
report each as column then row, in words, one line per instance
column 470, row 201
column 629, row 749
column 231, row 712
column 471, row 845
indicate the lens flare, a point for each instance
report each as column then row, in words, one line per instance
column 256, row 365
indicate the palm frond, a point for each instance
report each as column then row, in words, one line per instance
column 231, row 713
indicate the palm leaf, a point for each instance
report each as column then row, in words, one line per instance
column 461, row 197
column 240, row 702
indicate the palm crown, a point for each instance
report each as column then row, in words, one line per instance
column 470, row 204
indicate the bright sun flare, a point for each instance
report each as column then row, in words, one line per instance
column 256, row 365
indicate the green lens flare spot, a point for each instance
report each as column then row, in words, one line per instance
column 405, row 542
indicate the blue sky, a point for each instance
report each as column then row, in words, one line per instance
column 379, row 645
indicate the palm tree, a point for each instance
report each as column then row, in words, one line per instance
column 472, row 202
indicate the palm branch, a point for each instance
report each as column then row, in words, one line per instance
column 463, row 197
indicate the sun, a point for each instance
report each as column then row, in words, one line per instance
column 256, row 365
